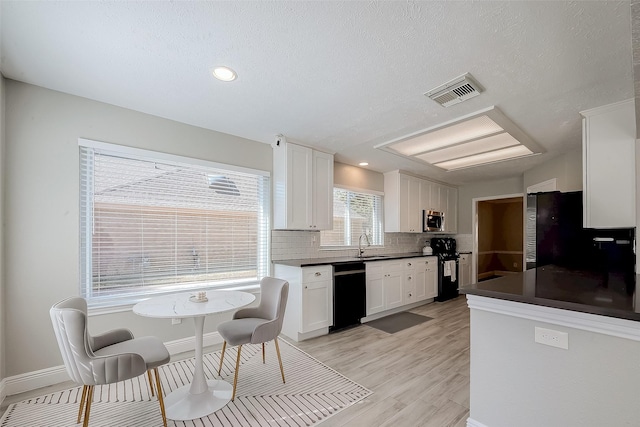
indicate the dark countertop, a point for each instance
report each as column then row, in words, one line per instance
column 557, row 287
column 308, row 262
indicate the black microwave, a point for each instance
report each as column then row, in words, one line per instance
column 432, row 221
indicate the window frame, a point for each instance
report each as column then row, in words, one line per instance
column 354, row 245
column 114, row 303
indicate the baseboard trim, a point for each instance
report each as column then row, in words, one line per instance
column 3, row 391
column 396, row 310
column 58, row 374
column 473, row 423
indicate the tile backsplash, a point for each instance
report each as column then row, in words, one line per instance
column 306, row 244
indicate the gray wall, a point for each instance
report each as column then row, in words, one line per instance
column 566, row 168
column 41, row 208
column 517, row 382
column 355, row 177
column 467, row 193
column 2, row 281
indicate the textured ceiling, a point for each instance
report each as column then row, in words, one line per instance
column 341, row 76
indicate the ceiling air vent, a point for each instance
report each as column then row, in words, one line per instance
column 455, row 91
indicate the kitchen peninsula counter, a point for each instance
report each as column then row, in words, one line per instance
column 552, row 286
column 554, row 347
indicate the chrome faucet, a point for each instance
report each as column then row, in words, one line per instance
column 360, row 248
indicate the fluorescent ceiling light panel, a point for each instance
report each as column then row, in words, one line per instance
column 486, row 136
column 471, row 129
column 490, row 157
column 477, row 146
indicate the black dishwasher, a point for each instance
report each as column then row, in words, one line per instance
column 349, row 294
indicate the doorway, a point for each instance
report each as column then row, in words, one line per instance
column 498, row 236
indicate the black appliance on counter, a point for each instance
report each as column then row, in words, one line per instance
column 445, row 249
column 554, row 235
column 349, row 294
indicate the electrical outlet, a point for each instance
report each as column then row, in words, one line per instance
column 552, row 338
column 515, row 265
column 176, row 321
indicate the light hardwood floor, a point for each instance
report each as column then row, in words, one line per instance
column 419, row 376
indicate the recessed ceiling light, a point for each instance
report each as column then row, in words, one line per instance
column 225, row 74
column 363, row 164
column 486, row 136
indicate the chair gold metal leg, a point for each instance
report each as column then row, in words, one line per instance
column 263, row 360
column 224, row 347
column 84, row 396
column 151, row 383
column 160, row 397
column 235, row 379
column 279, row 358
column 88, row 407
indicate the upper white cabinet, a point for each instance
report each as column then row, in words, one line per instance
column 406, row 196
column 303, row 188
column 608, row 166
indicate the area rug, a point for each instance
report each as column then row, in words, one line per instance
column 312, row 393
column 398, row 322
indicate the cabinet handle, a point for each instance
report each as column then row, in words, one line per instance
column 318, row 274
column 306, row 287
column 408, row 264
column 409, row 278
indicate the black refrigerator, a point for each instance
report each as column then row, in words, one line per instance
column 554, row 236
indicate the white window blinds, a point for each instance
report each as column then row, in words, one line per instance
column 157, row 225
column 354, row 214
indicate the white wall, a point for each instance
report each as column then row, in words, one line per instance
column 517, row 382
column 41, row 207
column 566, row 168
column 467, row 193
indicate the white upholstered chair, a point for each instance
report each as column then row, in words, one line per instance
column 257, row 325
column 103, row 359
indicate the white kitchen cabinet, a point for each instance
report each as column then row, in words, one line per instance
column 424, row 280
column 434, row 203
column 410, row 284
column 406, row 196
column 431, row 277
column 375, row 287
column 392, row 285
column 322, row 194
column 464, row 266
column 384, row 286
column 451, row 213
column 608, row 166
column 402, row 203
column 309, row 311
column 303, row 188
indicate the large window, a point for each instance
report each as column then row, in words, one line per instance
column 354, row 214
column 154, row 223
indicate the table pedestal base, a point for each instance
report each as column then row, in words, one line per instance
column 181, row 405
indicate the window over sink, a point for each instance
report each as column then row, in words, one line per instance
column 354, row 213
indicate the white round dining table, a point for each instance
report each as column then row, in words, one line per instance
column 202, row 397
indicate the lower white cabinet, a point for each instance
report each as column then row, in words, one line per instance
column 393, row 284
column 421, row 279
column 465, row 269
column 309, row 311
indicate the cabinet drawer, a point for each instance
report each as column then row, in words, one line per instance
column 316, row 274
